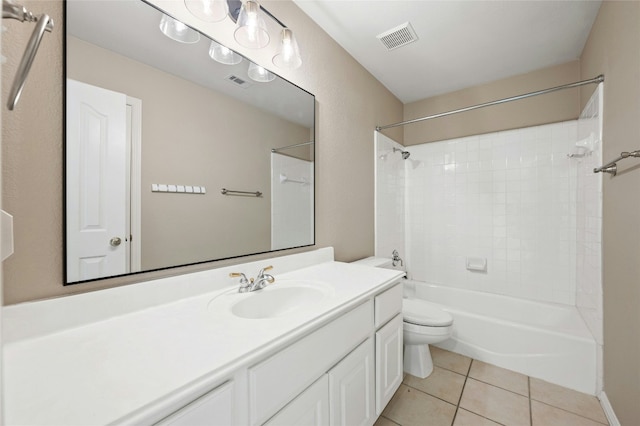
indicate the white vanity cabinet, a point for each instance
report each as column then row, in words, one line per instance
column 359, row 384
column 342, row 374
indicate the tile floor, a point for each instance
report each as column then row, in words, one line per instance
column 466, row 392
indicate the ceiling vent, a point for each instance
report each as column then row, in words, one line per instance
column 241, row 82
column 398, row 36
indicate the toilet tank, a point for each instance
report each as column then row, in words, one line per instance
column 379, row 262
column 408, row 289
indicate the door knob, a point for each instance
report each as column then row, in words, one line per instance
column 115, row 241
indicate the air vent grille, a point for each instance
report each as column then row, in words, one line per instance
column 237, row 81
column 398, row 36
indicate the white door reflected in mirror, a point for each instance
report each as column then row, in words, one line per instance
column 99, row 127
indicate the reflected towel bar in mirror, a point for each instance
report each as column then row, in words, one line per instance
column 241, row 193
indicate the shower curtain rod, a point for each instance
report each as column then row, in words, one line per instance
column 291, row 146
column 598, row 79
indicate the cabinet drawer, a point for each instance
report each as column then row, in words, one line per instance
column 388, row 305
column 279, row 379
column 212, row 409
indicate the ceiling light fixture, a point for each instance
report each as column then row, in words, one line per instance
column 289, row 54
column 251, row 31
column 260, row 74
column 208, row 10
column 223, row 54
column 178, row 31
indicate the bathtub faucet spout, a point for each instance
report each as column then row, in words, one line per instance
column 396, row 258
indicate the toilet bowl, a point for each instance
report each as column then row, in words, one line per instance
column 424, row 323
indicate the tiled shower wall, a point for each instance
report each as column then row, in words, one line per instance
column 589, row 218
column 507, row 197
column 390, row 197
column 589, row 223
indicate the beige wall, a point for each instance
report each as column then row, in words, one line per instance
column 558, row 106
column 212, row 150
column 613, row 48
column 32, row 161
column 349, row 104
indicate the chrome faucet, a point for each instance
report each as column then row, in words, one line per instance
column 252, row 285
column 396, row 258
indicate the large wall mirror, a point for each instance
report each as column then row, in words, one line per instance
column 155, row 129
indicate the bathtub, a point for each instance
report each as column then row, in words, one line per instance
column 543, row 340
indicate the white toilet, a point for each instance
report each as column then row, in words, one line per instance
column 424, row 323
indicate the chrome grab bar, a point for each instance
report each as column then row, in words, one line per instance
column 44, row 23
column 611, row 167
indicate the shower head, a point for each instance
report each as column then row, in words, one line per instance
column 405, row 154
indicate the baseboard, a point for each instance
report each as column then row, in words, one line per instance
column 608, row 409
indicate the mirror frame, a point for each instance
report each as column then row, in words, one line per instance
column 65, row 171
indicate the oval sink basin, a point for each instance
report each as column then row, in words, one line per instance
column 275, row 302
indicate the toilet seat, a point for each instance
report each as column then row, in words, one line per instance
column 423, row 313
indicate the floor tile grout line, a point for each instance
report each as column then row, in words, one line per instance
column 571, row 412
column 530, row 409
column 395, row 423
column 499, row 387
column 466, row 377
column 447, row 370
column 485, row 417
column 427, row 393
column 465, row 385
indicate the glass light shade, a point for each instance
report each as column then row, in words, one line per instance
column 252, row 30
column 178, row 31
column 208, row 10
column 289, row 54
column 259, row 74
column 223, row 54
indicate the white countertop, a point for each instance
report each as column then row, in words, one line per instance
column 118, row 369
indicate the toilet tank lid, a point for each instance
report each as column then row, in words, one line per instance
column 422, row 312
column 378, row 262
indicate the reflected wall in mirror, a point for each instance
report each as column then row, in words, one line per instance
column 155, row 129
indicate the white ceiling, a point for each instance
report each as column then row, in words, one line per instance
column 460, row 43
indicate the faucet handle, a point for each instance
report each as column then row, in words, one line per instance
column 263, row 276
column 243, row 278
column 263, row 270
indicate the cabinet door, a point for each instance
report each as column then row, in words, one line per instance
column 388, row 361
column 351, row 388
column 310, row 408
column 213, row 409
